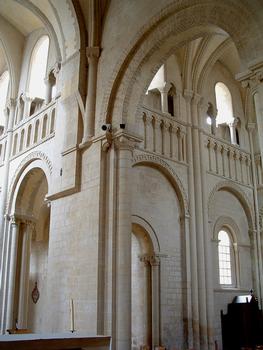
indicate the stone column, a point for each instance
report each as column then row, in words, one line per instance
column 164, row 100
column 48, row 91
column 28, row 100
column 11, row 106
column 148, row 298
column 10, row 319
column 124, row 145
column 157, row 135
column 148, row 135
column 254, row 81
column 155, row 265
column 4, row 272
column 258, row 252
column 205, row 234
column 93, row 54
column 6, row 119
column 165, row 139
column 28, row 228
column 200, row 243
column 232, row 128
column 188, row 95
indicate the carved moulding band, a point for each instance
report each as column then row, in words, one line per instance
column 37, row 155
column 236, row 191
column 158, row 162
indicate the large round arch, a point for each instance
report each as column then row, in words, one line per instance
column 239, row 194
column 164, row 168
column 175, row 26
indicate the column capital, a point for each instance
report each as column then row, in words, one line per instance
column 252, row 78
column 56, row 69
column 197, row 99
column 125, row 141
column 251, row 127
column 11, row 103
column 14, row 220
column 92, row 52
column 188, row 95
column 157, row 121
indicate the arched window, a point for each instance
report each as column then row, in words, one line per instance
column 223, row 104
column 4, row 82
column 38, row 66
column 225, row 258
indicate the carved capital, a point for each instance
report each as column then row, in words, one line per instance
column 56, row 69
column 93, row 52
column 11, row 103
column 148, row 119
column 157, row 121
column 188, row 95
column 251, row 127
column 125, row 142
column 150, row 259
column 197, row 99
column 165, row 125
column 14, row 220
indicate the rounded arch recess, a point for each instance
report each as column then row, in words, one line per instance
column 165, row 169
column 33, row 160
column 141, row 227
column 238, row 194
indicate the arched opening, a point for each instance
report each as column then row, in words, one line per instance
column 28, row 268
column 52, row 123
column 36, row 131
column 38, row 66
column 143, row 257
column 44, row 127
column 29, row 131
column 4, row 83
column 223, row 103
column 155, row 263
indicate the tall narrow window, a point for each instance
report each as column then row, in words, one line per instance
column 224, row 254
column 4, row 82
column 223, row 104
column 38, row 66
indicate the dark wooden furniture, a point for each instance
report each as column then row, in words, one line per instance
column 54, row 342
column 242, row 326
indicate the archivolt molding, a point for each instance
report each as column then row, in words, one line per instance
column 37, row 155
column 174, row 20
column 159, row 163
column 239, row 194
column 228, row 222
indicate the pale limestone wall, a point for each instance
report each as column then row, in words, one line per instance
column 38, row 272
column 155, row 201
column 73, row 253
column 228, row 206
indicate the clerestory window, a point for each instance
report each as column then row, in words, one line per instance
column 224, row 255
column 38, row 66
column 4, row 82
column 223, row 104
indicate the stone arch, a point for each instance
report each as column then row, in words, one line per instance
column 230, row 224
column 159, row 164
column 34, row 159
column 140, row 224
column 176, row 25
column 239, row 194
